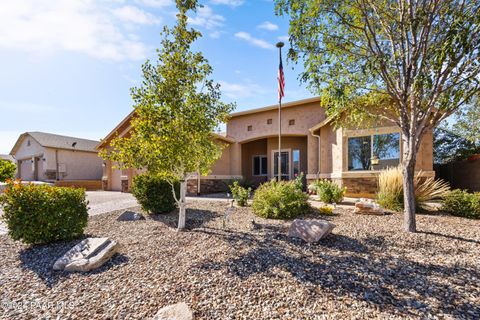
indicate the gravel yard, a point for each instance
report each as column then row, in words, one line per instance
column 368, row 268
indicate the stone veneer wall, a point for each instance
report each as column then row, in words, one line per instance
column 360, row 187
column 207, row 186
column 125, row 187
column 356, row 187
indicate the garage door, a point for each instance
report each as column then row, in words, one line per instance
column 26, row 171
column 116, row 181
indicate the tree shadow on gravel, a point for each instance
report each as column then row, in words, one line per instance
column 40, row 258
column 437, row 234
column 195, row 218
column 390, row 283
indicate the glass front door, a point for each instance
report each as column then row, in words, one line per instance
column 285, row 165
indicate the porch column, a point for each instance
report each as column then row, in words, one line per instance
column 236, row 159
column 312, row 154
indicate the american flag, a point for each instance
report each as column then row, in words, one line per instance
column 281, row 81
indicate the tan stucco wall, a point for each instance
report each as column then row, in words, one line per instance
column 288, row 143
column 80, row 165
column 249, row 150
column 333, row 155
column 425, row 153
column 305, row 116
column 222, row 165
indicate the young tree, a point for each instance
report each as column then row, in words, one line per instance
column 176, row 110
column 421, row 56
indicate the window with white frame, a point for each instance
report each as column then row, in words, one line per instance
column 260, row 165
column 373, row 152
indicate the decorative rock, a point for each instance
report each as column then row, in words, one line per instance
column 366, row 206
column 310, row 230
column 179, row 311
column 130, row 216
column 89, row 254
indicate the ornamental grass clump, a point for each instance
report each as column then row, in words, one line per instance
column 38, row 214
column 280, row 200
column 390, row 189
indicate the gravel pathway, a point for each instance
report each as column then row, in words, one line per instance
column 368, row 268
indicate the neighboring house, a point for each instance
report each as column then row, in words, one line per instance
column 50, row 157
column 310, row 144
column 7, row 157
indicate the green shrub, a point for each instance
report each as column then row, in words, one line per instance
column 240, row 194
column 7, row 170
column 463, row 204
column 390, row 189
column 42, row 213
column 154, row 194
column 279, row 200
column 328, row 191
column 299, row 181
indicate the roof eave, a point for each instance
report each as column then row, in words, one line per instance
column 275, row 106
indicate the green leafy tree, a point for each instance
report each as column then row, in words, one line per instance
column 419, row 57
column 449, row 146
column 466, row 122
column 7, row 170
column 176, row 110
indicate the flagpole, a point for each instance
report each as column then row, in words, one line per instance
column 280, row 94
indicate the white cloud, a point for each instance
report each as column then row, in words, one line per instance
column 241, row 90
column 283, row 38
column 231, row 3
column 254, row 41
column 85, row 26
column 131, row 14
column 206, row 18
column 267, row 25
column 155, row 3
column 209, row 20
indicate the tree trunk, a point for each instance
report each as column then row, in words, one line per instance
column 409, row 196
column 182, row 205
column 409, row 161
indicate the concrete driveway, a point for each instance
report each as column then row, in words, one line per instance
column 106, row 201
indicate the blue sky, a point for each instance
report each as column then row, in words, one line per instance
column 66, row 66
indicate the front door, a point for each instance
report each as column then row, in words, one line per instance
column 285, row 165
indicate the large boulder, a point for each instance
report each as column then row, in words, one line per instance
column 179, row 311
column 89, row 254
column 310, row 230
column 369, row 207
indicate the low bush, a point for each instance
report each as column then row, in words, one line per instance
column 279, row 200
column 326, row 210
column 7, row 170
column 463, row 204
column 390, row 189
column 327, row 191
column 154, row 194
column 42, row 213
column 240, row 194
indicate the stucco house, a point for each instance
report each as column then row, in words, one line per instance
column 50, row 157
column 310, row 144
